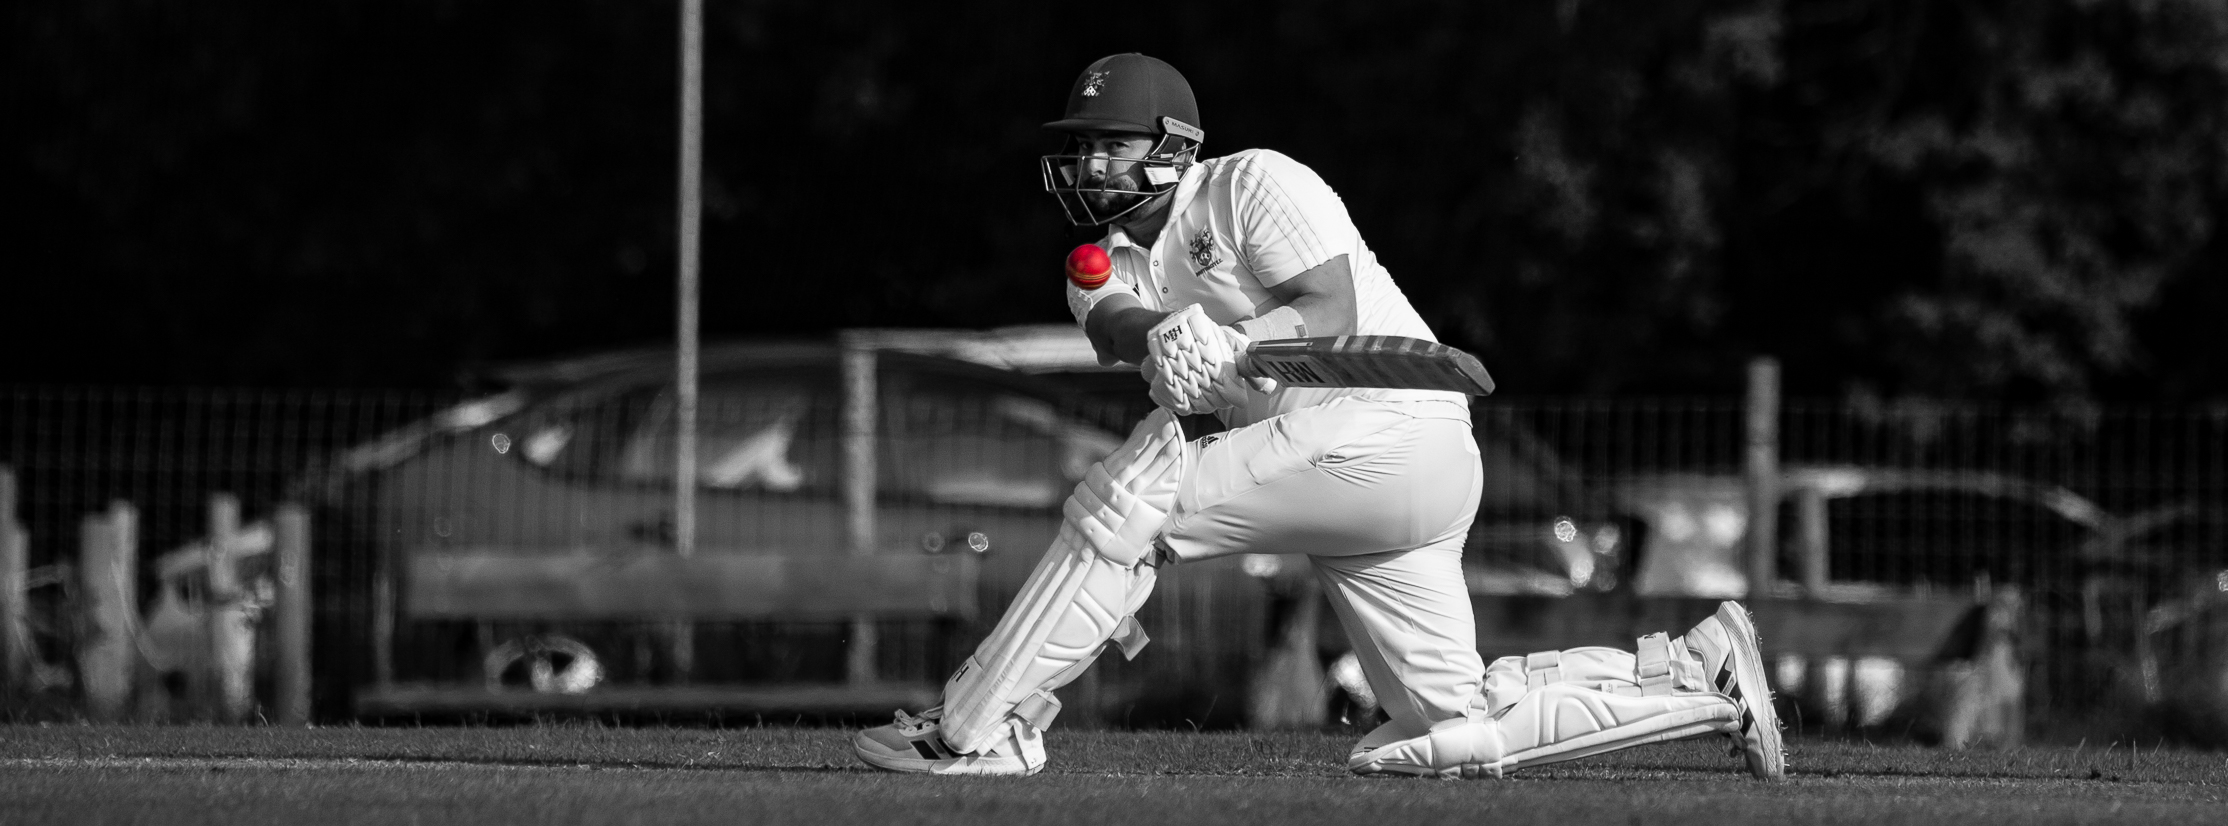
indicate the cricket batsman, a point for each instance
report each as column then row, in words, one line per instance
column 1376, row 487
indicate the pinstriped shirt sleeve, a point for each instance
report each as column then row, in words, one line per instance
column 1289, row 220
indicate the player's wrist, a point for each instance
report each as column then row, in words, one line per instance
column 1282, row 322
column 1132, row 329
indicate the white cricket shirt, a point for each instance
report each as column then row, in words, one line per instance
column 1240, row 224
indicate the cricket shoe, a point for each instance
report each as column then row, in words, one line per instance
column 1727, row 644
column 915, row 743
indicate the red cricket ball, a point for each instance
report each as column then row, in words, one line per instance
column 1088, row 267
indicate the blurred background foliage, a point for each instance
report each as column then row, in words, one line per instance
column 2014, row 200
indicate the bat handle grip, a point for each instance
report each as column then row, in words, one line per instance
column 1253, row 373
column 1247, row 367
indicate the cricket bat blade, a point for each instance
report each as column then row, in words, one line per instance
column 1367, row 361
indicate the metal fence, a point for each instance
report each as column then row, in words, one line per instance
column 76, row 451
column 2114, row 519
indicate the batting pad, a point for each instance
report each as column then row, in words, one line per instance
column 1567, row 721
column 1661, row 666
column 1554, row 723
column 1079, row 597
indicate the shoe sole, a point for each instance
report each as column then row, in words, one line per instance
column 870, row 752
column 1762, row 745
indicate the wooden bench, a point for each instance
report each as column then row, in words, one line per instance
column 648, row 585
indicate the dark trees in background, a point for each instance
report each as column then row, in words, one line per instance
column 2004, row 200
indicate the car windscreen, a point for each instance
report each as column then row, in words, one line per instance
column 962, row 440
column 1945, row 538
column 948, row 439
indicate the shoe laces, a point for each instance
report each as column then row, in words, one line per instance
column 912, row 724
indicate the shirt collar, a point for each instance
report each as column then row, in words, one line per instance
column 1186, row 189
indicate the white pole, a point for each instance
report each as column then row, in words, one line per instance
column 1763, row 476
column 231, row 642
column 692, row 209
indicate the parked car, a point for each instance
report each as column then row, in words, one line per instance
column 1871, row 527
column 595, row 437
column 577, row 456
column 1540, row 530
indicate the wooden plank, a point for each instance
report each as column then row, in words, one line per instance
column 1911, row 629
column 861, row 698
column 107, row 600
column 291, row 616
column 509, row 584
column 16, row 648
column 15, row 628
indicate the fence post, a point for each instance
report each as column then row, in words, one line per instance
column 1763, row 476
column 1987, row 700
column 231, row 652
column 292, row 615
column 146, row 684
column 860, row 412
column 15, row 628
column 109, row 588
column 1810, row 540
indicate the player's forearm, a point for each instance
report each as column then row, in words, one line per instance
column 1122, row 330
column 1319, row 302
column 1324, row 315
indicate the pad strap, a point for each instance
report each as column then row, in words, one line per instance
column 1543, row 668
column 1654, row 670
column 1038, row 708
column 1130, row 637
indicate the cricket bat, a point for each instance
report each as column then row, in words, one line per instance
column 1366, row 361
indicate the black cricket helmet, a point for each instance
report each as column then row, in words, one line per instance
column 1124, row 93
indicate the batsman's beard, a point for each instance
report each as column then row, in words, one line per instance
column 1111, row 200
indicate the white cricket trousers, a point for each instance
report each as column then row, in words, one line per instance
column 1379, row 495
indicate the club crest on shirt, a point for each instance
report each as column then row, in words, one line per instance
column 1092, row 83
column 1203, row 253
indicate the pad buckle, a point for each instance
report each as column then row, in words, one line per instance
column 1038, row 709
column 1542, row 668
column 1654, row 671
column 1130, row 637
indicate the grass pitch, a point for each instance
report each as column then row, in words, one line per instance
column 560, row 774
